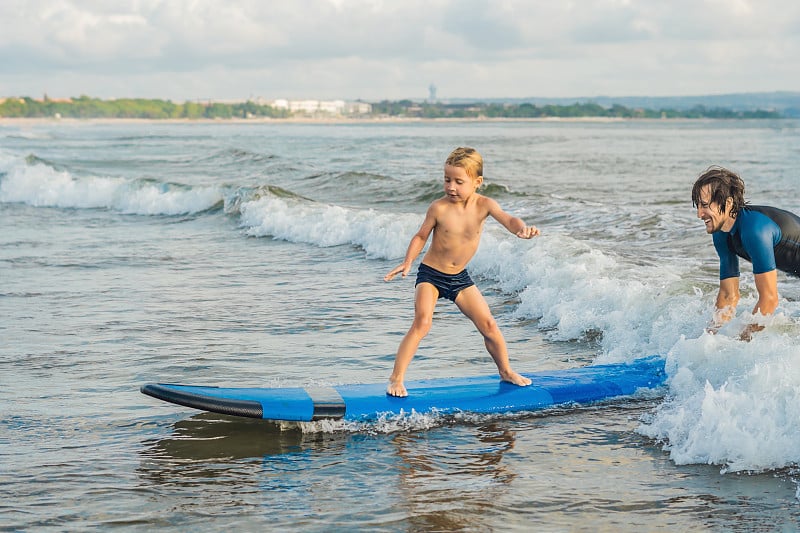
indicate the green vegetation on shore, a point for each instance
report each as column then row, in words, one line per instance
column 87, row 107
column 527, row 110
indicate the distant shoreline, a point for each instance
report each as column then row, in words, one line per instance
column 344, row 120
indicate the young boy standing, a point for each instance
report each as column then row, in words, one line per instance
column 456, row 221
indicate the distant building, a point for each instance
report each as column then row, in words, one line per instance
column 357, row 108
column 321, row 107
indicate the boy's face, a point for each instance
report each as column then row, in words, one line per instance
column 458, row 185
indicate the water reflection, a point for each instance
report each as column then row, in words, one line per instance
column 209, row 436
column 450, row 484
column 459, row 475
column 203, row 443
column 445, row 478
column 211, row 465
column 215, row 465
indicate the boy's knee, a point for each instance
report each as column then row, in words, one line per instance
column 422, row 325
column 489, row 328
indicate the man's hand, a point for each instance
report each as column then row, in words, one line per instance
column 747, row 333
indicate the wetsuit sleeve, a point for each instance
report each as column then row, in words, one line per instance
column 728, row 260
column 759, row 240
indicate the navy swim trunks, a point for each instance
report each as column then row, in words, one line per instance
column 448, row 285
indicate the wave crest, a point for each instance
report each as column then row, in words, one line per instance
column 41, row 184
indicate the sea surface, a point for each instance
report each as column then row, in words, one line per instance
column 253, row 254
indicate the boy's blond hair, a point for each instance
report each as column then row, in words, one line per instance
column 467, row 158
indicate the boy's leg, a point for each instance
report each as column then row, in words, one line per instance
column 425, row 297
column 472, row 303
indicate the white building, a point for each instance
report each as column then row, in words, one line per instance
column 357, row 108
column 322, row 107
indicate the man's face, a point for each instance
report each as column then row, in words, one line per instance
column 710, row 214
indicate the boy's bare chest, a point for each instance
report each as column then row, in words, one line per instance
column 465, row 225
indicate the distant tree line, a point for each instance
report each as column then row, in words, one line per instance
column 527, row 110
column 87, row 107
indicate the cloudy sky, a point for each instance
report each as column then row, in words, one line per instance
column 394, row 49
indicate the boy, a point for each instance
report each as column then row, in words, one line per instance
column 456, row 221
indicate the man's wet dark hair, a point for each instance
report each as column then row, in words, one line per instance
column 723, row 184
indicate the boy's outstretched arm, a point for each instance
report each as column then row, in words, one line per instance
column 513, row 224
column 415, row 246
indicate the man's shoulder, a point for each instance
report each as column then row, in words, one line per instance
column 776, row 214
column 758, row 231
column 757, row 218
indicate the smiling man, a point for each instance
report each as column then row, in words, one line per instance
column 768, row 237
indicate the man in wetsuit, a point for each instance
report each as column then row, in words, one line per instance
column 768, row 237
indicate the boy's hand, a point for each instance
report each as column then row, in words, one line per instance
column 395, row 271
column 528, row 232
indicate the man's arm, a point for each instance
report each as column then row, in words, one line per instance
column 727, row 299
column 759, row 239
column 767, row 287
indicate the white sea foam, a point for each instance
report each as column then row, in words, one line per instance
column 575, row 290
column 381, row 235
column 732, row 403
column 43, row 186
column 396, row 422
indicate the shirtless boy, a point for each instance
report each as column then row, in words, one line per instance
column 456, row 221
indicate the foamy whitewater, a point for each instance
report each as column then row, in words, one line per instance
column 37, row 184
column 623, row 268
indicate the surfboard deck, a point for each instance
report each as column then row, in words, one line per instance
column 364, row 402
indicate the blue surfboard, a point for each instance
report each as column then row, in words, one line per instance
column 366, row 402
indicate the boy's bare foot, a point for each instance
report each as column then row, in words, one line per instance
column 396, row 388
column 515, row 379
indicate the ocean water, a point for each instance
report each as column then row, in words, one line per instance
column 253, row 255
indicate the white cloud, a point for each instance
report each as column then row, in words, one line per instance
column 376, row 49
